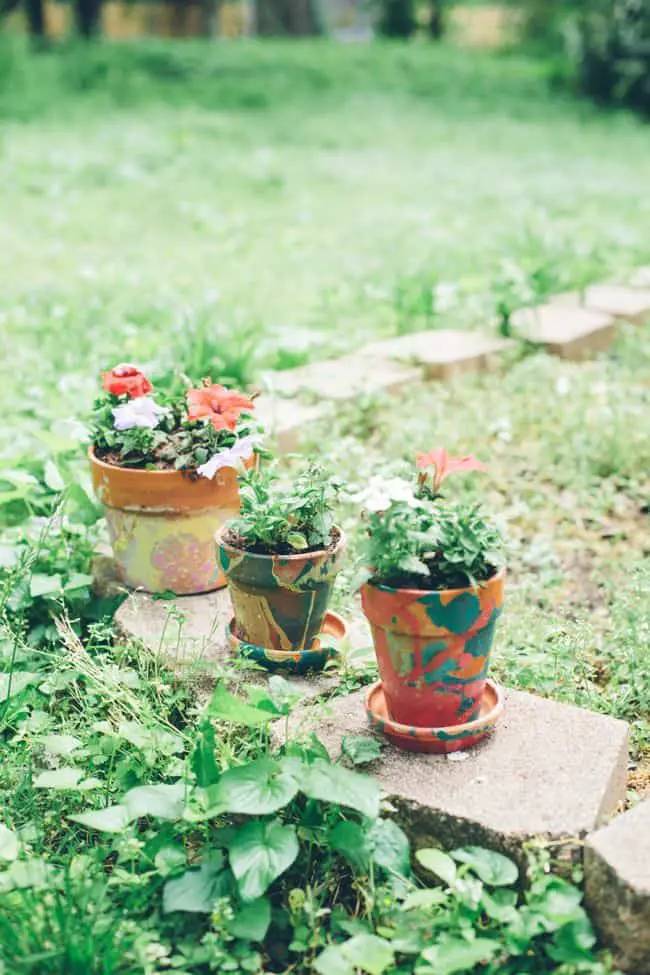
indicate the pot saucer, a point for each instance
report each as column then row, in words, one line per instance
column 436, row 740
column 323, row 647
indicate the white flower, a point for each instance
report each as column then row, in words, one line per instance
column 143, row 411
column 230, row 457
column 563, row 386
column 382, row 491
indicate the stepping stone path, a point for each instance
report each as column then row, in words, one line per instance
column 548, row 769
column 617, row 887
column 443, row 353
column 565, row 329
column 624, row 304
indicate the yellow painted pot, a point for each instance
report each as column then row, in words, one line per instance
column 162, row 525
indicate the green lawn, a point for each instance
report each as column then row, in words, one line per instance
column 238, row 206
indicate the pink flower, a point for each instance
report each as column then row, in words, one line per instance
column 443, row 465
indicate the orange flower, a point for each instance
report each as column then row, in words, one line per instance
column 125, row 379
column 444, row 465
column 221, row 406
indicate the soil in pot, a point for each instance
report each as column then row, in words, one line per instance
column 279, row 601
column 433, row 649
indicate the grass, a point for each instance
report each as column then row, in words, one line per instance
column 234, row 207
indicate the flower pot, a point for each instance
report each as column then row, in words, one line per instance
column 162, row 523
column 433, row 649
column 279, row 600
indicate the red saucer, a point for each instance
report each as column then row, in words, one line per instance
column 436, row 740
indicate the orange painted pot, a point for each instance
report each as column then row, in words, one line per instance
column 433, row 649
column 162, row 524
column 279, row 601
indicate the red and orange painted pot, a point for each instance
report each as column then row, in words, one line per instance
column 279, row 601
column 162, row 523
column 433, row 649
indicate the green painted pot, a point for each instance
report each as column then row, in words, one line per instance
column 279, row 601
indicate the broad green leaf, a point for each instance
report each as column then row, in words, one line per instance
column 390, row 847
column 453, row 955
column 24, row 874
column 60, row 744
column 12, row 684
column 351, row 841
column 438, row 862
column 333, row 962
column 226, row 707
column 9, row 845
column 490, row 867
column 203, row 762
column 161, row 801
column 112, row 819
column 558, row 901
column 169, row 859
column 283, row 693
column 52, row 476
column 61, row 778
column 431, row 897
column 333, row 783
column 360, row 749
column 368, row 953
column 259, row 853
column 78, row 580
column 195, row 891
column 45, row 585
column 252, row 921
column 256, row 789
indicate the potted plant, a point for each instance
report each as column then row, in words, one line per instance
column 280, row 557
column 433, row 591
column 165, row 467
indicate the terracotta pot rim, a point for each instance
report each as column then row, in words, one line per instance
column 417, row 593
column 340, row 545
column 424, row 731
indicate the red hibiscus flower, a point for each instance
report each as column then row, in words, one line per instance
column 443, row 465
column 221, row 406
column 126, row 380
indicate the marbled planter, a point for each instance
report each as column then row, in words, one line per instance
column 279, row 600
column 433, row 649
column 162, row 524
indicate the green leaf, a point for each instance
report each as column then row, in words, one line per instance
column 297, row 540
column 112, row 819
column 390, row 847
column 9, row 845
column 168, row 859
column 14, row 683
column 161, row 801
column 490, row 867
column 333, row 783
column 226, row 707
column 78, row 580
column 195, row 891
column 351, row 841
column 24, row 874
column 61, row 778
column 368, row 953
column 52, row 476
column 259, row 853
column 360, row 749
column 333, row 962
column 251, row 922
column 432, row 897
column 453, row 955
column 438, row 862
column 256, row 789
column 60, row 744
column 203, row 761
column 45, row 585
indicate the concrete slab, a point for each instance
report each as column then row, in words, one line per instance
column 629, row 304
column 287, row 420
column 617, row 887
column 566, row 330
column 443, row 353
column 549, row 770
column 347, row 378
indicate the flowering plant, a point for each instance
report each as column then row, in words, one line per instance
column 201, row 429
column 418, row 539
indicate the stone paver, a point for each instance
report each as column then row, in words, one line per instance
column 548, row 769
column 617, row 887
column 443, row 353
column 566, row 330
column 629, row 304
column 287, row 420
column 347, row 378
